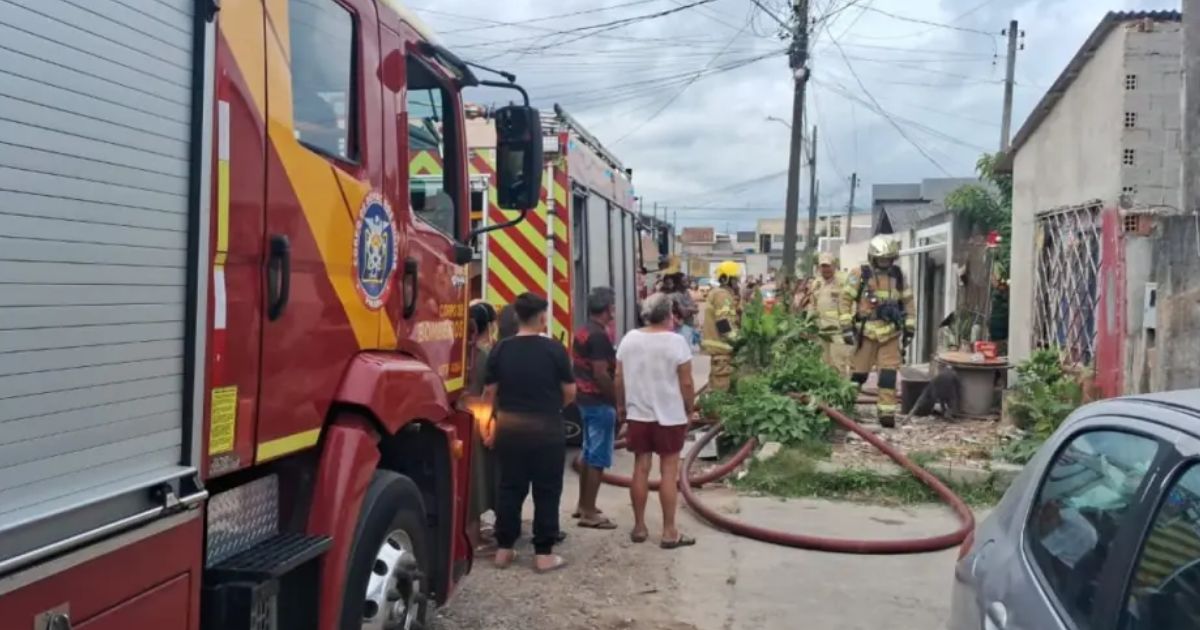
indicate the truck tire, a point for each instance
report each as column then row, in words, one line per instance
column 387, row 584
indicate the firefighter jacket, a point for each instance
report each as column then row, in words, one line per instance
column 824, row 301
column 720, row 306
column 878, row 303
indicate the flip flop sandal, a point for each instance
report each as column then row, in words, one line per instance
column 504, row 564
column 600, row 523
column 682, row 541
column 578, row 514
column 638, row 537
column 559, row 563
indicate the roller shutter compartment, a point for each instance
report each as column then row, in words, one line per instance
column 96, row 120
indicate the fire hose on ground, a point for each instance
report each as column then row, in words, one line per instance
column 802, row 541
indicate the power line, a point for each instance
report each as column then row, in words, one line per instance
column 659, row 80
column 759, row 4
column 844, row 92
column 884, row 112
column 545, row 18
column 904, row 18
column 711, row 14
column 685, row 86
column 730, row 187
column 594, row 29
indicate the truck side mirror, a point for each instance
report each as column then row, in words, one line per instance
column 518, row 157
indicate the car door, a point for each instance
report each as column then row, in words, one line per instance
column 1049, row 569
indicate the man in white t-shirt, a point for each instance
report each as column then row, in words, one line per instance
column 655, row 394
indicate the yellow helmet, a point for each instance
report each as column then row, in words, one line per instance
column 883, row 246
column 728, row 269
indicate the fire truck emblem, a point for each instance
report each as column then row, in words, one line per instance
column 375, row 251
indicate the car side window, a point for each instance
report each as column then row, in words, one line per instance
column 1081, row 505
column 322, row 64
column 1164, row 593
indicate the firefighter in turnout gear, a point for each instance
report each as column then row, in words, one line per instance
column 878, row 319
column 721, row 325
column 824, row 303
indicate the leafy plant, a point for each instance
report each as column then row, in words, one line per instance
column 1045, row 394
column 778, row 354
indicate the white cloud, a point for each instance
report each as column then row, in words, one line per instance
column 942, row 85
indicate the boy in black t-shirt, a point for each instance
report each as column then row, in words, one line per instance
column 529, row 379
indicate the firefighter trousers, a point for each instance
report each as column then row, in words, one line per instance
column 886, row 356
column 722, row 370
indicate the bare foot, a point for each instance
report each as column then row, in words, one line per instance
column 548, row 563
column 504, row 558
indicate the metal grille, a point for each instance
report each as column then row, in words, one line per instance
column 1065, row 287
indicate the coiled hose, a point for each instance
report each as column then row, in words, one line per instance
column 803, row 541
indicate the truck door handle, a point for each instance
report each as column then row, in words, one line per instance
column 279, row 276
column 408, row 287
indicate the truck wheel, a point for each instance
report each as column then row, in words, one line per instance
column 387, row 585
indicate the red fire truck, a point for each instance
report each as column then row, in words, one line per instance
column 232, row 337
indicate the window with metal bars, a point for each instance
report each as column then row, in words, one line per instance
column 1066, row 278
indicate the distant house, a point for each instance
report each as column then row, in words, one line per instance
column 1093, row 164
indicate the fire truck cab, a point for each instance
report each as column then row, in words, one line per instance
column 232, row 336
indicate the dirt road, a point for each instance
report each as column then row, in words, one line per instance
column 724, row 583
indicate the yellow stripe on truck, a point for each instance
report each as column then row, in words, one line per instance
column 279, row 447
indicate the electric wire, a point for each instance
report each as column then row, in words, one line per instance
column 683, row 88
column 882, row 112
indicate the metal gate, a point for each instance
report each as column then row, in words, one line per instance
column 1066, row 288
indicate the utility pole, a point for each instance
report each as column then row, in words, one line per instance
column 798, row 60
column 1009, row 81
column 810, row 240
column 850, row 208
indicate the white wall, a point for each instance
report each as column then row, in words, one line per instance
column 1074, row 156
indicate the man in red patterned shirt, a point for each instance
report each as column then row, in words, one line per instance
column 594, row 359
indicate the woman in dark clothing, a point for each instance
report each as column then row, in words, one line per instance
column 483, row 460
column 529, row 380
column 507, row 323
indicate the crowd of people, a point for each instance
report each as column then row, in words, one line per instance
column 524, row 380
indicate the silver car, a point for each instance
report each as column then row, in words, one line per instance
column 1101, row 531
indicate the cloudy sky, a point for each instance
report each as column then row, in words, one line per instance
column 901, row 89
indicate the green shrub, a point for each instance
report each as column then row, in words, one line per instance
column 1045, row 394
column 778, row 354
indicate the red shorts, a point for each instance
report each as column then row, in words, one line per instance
column 652, row 437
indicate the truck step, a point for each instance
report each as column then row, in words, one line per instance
column 269, row 559
column 270, row 586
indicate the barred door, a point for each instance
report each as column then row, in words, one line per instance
column 1066, row 282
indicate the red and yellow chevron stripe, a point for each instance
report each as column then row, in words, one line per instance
column 515, row 257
